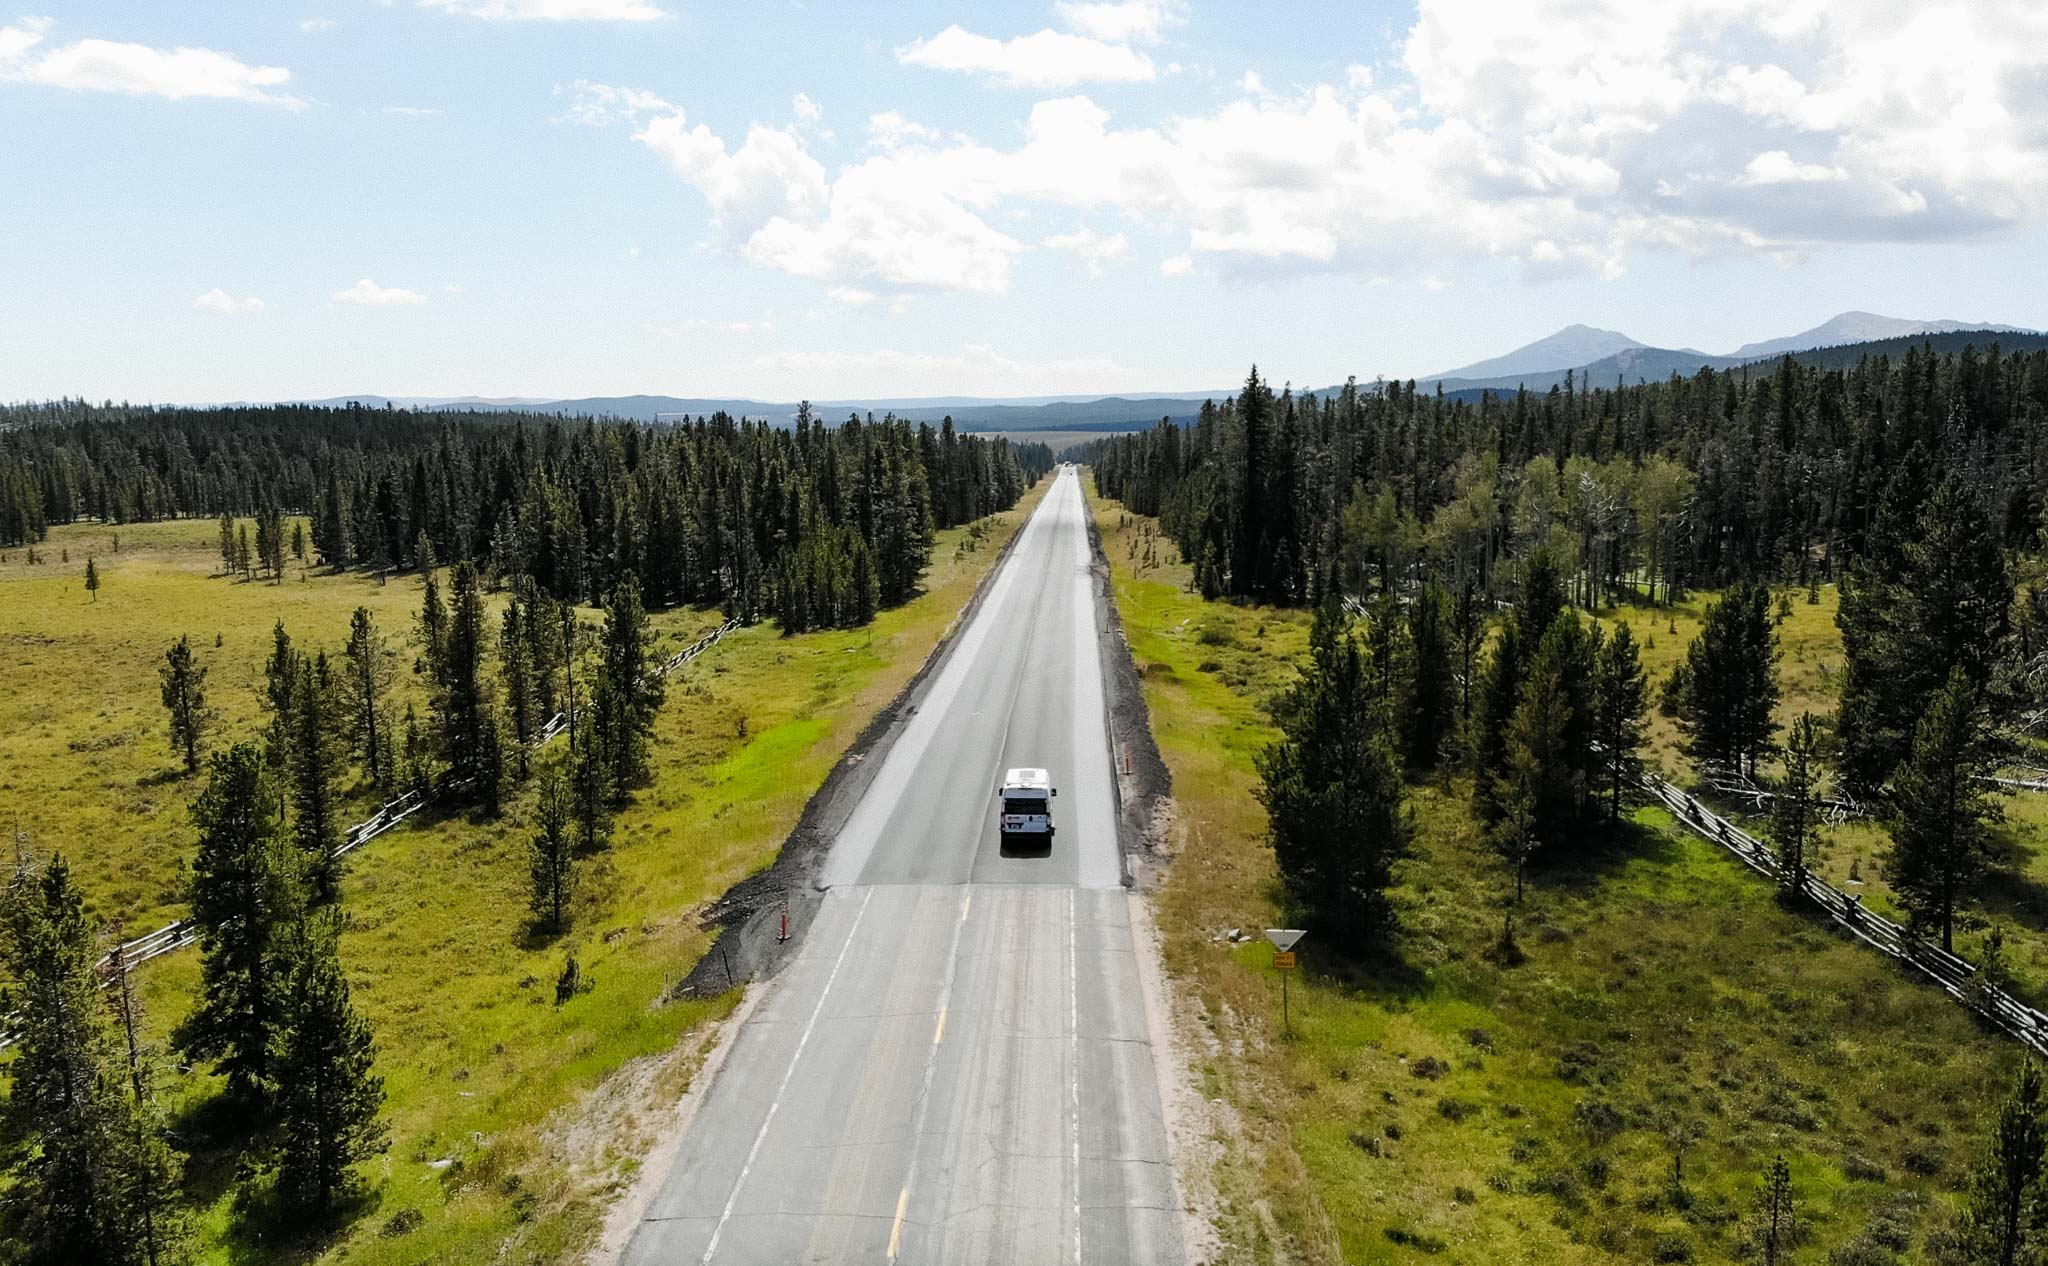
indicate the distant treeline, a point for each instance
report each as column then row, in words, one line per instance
column 1774, row 471
column 818, row 525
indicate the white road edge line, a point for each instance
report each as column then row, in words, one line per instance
column 1074, row 1068
column 931, row 1063
column 787, row 1073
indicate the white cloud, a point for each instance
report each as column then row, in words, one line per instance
column 1093, row 249
column 1565, row 136
column 1776, row 167
column 552, row 10
column 413, row 112
column 1133, row 21
column 218, row 300
column 805, row 109
column 1176, row 266
column 368, row 294
column 595, row 105
column 135, row 69
column 890, row 130
column 1048, row 59
column 310, row 25
column 701, row 325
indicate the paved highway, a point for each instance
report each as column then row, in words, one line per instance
column 956, row 1068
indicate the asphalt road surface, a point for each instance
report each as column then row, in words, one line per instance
column 956, row 1068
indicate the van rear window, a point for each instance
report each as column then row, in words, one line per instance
column 1019, row 804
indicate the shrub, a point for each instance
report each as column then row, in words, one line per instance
column 1429, row 1068
column 1671, row 1246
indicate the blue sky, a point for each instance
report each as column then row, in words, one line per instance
column 565, row 197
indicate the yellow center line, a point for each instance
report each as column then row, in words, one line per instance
column 896, row 1228
column 940, row 1032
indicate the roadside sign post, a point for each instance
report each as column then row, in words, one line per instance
column 1283, row 940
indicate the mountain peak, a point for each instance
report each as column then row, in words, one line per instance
column 1569, row 347
column 1858, row 327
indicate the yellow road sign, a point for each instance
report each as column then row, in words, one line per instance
column 1285, row 962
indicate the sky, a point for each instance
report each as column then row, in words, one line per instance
column 266, row 199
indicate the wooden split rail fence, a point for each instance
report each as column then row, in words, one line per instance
column 1954, row 974
column 179, row 933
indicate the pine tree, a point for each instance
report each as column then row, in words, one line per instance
column 1796, row 810
column 1620, row 696
column 590, row 785
column 280, row 696
column 516, row 673
column 88, row 1164
column 1536, row 790
column 227, row 545
column 154, row 1173
column 329, row 1094
column 1731, row 681
column 1935, row 595
column 245, row 889
column 552, row 851
column 1500, row 691
column 2008, row 1199
column 417, row 757
column 465, row 714
column 628, row 691
column 92, row 578
column 184, row 695
column 315, row 763
column 1429, row 704
column 1332, row 790
column 433, row 632
column 1940, row 807
column 366, row 683
column 1775, row 1222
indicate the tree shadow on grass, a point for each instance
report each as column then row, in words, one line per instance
column 1588, row 852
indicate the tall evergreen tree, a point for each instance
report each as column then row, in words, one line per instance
column 1332, row 790
column 2003, row 1221
column 329, row 1093
column 366, row 685
column 465, row 713
column 1620, row 700
column 92, row 578
column 314, row 766
column 1941, row 806
column 1796, row 810
column 432, row 630
column 87, row 1164
column 1429, row 704
column 1500, row 692
column 1934, row 596
column 516, row 672
column 1731, row 681
column 184, row 694
column 245, row 889
column 280, row 696
column 628, row 692
column 1537, row 790
column 552, row 852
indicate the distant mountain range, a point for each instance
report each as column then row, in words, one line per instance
column 1544, row 363
column 1601, row 357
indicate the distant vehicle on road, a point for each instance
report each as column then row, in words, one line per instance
column 1026, row 810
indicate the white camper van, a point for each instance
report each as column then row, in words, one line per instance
column 1026, row 808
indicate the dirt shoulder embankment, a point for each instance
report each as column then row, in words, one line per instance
column 1143, row 784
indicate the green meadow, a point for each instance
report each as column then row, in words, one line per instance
column 1616, row 1094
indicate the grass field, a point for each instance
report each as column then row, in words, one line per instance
column 1439, row 1106
column 513, row 1120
